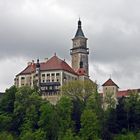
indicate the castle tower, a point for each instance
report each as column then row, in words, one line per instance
column 110, row 90
column 79, row 51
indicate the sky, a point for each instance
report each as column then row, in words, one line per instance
column 31, row 29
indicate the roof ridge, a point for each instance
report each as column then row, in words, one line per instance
column 110, row 82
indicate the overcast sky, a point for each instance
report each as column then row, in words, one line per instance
column 31, row 29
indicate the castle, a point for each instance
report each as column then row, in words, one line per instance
column 51, row 74
column 54, row 72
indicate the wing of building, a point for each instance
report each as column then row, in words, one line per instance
column 111, row 89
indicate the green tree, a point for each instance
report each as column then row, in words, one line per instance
column 109, row 101
column 6, row 136
column 89, row 125
column 26, row 107
column 121, row 115
column 95, row 103
column 5, row 122
column 64, row 111
column 132, row 108
column 129, row 136
column 7, row 101
column 69, row 135
column 6, row 109
column 48, row 121
column 38, row 135
column 79, row 89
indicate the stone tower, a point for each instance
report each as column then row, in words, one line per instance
column 79, row 51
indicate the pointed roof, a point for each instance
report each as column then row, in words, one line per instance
column 109, row 82
column 79, row 32
column 54, row 63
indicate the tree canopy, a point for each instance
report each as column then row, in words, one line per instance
column 78, row 115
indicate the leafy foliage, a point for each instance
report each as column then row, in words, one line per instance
column 81, row 90
column 78, row 115
column 89, row 125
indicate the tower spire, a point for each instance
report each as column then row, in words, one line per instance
column 79, row 32
column 79, row 23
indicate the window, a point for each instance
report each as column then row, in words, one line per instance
column 57, row 80
column 43, row 75
column 22, row 78
column 57, row 74
column 48, row 74
column 52, row 80
column 52, row 74
column 43, row 81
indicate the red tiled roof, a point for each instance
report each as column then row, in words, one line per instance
column 123, row 93
column 120, row 94
column 28, row 70
column 109, row 82
column 54, row 63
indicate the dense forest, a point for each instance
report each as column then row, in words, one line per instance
column 76, row 116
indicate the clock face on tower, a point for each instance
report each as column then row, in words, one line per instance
column 78, row 43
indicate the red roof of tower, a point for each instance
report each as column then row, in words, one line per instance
column 54, row 63
column 109, row 82
column 81, row 72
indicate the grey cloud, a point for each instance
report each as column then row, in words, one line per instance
column 37, row 29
